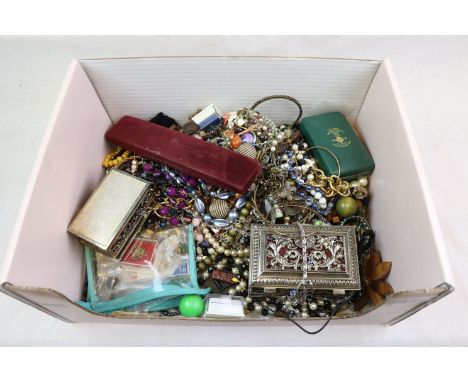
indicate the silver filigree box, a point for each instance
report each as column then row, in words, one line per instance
column 278, row 261
column 113, row 213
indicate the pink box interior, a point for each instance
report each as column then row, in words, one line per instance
column 43, row 255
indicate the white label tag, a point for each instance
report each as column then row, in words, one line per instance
column 224, row 307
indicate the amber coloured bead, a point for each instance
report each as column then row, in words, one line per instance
column 236, row 141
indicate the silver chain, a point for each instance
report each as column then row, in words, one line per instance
column 305, row 264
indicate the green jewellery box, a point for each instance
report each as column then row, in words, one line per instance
column 332, row 133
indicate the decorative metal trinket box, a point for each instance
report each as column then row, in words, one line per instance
column 111, row 217
column 284, row 257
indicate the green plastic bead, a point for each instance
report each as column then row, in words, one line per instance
column 318, row 222
column 346, row 206
column 245, row 212
column 191, row 306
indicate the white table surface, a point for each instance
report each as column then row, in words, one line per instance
column 433, row 76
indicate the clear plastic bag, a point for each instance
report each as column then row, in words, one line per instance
column 153, row 271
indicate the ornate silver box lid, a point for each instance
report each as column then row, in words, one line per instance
column 278, row 260
column 113, row 213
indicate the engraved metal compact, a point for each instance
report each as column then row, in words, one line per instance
column 112, row 215
column 284, row 257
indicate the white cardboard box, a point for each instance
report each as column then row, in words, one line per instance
column 44, row 265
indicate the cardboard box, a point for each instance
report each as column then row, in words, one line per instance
column 44, row 266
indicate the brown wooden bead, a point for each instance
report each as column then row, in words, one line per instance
column 190, row 128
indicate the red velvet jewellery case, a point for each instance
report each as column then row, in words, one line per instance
column 214, row 164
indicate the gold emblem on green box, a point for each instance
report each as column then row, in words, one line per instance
column 339, row 139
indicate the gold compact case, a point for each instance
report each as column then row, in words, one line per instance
column 113, row 214
column 291, row 256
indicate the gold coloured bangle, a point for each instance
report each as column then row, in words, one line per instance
column 335, row 184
